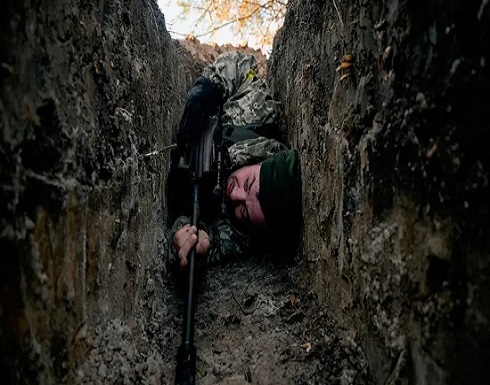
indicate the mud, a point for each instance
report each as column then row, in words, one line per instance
column 389, row 286
column 252, row 327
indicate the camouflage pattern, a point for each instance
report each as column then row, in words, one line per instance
column 253, row 151
column 229, row 71
column 227, row 243
column 248, row 100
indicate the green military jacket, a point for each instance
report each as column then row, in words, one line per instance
column 247, row 103
column 227, row 242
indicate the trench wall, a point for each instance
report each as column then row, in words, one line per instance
column 394, row 161
column 395, row 169
column 87, row 91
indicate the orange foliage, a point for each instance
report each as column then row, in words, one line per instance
column 257, row 18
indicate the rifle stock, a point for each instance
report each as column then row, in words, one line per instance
column 201, row 163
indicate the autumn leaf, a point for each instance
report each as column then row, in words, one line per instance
column 307, row 346
column 250, row 18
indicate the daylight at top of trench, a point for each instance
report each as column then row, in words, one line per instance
column 180, row 26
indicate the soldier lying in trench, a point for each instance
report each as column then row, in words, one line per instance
column 262, row 189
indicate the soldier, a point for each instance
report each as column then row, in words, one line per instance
column 263, row 183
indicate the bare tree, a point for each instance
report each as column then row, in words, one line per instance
column 249, row 18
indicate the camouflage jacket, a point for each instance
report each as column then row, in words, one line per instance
column 227, row 243
column 247, row 98
column 247, row 102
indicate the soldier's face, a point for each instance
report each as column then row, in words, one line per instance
column 242, row 190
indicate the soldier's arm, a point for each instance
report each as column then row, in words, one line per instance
column 253, row 151
column 230, row 70
column 227, row 244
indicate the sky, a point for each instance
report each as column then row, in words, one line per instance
column 180, row 28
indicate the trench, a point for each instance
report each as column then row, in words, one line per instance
column 389, row 283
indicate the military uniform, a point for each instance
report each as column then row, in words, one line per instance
column 247, row 98
column 227, row 242
column 249, row 115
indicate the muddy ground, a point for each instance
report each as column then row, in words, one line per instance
column 253, row 326
column 389, row 285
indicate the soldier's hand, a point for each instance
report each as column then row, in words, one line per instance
column 185, row 238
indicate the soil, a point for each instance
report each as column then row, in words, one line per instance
column 387, row 118
column 390, row 283
column 197, row 55
column 253, row 326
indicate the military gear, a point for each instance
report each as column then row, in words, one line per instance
column 203, row 100
column 226, row 240
column 227, row 243
column 253, row 151
column 248, row 102
column 249, row 131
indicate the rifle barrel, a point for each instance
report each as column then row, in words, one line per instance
column 186, row 355
column 202, row 161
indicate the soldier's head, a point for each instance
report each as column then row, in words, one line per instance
column 268, row 195
column 242, row 191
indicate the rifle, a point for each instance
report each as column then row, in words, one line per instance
column 202, row 160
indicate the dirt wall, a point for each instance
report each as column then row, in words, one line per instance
column 395, row 169
column 396, row 164
column 87, row 91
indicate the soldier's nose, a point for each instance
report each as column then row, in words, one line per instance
column 238, row 194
